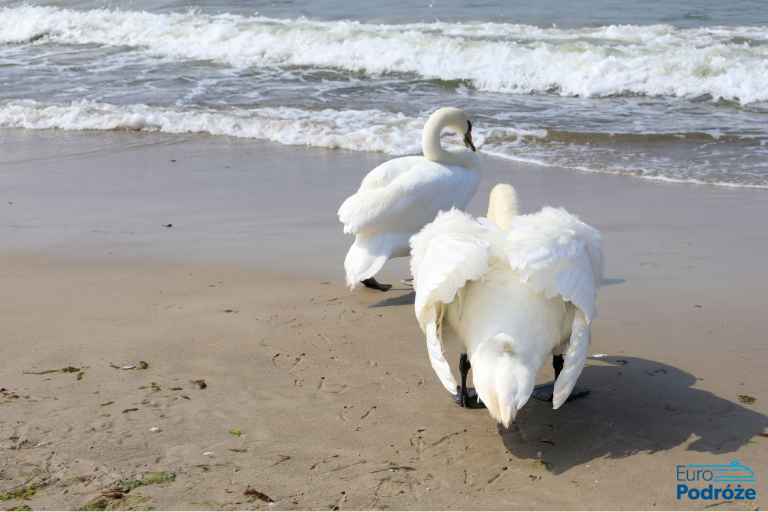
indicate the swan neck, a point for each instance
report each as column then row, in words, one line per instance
column 431, row 145
column 502, row 206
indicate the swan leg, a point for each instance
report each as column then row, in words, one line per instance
column 544, row 392
column 466, row 397
column 557, row 364
column 371, row 282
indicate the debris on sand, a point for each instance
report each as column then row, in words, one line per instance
column 158, row 477
column 200, row 383
column 24, row 492
column 67, row 369
column 117, row 498
column 151, row 478
column 236, row 432
column 283, row 458
column 7, row 394
column 20, row 508
column 107, row 403
column 143, row 365
column 393, row 468
column 130, row 409
column 154, row 386
column 746, row 399
column 100, row 503
column 254, row 494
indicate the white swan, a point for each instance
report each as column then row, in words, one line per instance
column 397, row 198
column 510, row 289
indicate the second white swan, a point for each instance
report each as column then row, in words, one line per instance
column 397, row 198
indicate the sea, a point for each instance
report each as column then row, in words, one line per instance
column 655, row 89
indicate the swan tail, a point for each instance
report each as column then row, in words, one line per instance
column 364, row 259
column 502, row 380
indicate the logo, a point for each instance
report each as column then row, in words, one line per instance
column 730, row 482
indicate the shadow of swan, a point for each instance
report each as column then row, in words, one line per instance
column 406, row 299
column 636, row 405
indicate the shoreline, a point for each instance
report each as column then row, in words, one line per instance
column 331, row 390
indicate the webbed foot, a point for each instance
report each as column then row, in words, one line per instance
column 468, row 399
column 372, row 283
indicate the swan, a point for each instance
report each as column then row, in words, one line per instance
column 510, row 289
column 397, row 198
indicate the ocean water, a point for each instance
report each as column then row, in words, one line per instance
column 654, row 89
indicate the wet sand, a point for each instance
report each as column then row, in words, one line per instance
column 317, row 397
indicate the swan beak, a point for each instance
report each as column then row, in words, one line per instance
column 468, row 137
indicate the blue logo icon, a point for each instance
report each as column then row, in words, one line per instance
column 733, row 481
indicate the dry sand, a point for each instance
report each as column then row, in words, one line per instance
column 319, row 397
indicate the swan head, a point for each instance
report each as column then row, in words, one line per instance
column 447, row 118
column 502, row 205
column 503, row 378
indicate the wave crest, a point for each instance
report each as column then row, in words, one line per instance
column 660, row 60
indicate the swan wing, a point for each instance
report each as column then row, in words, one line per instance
column 557, row 254
column 445, row 255
column 408, row 198
column 437, row 359
column 383, row 174
column 574, row 360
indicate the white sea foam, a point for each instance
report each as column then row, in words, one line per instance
column 722, row 62
column 357, row 130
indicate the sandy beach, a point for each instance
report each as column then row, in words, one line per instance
column 265, row 383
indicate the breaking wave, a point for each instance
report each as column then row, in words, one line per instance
column 721, row 63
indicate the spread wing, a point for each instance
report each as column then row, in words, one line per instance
column 445, row 255
column 559, row 255
column 405, row 195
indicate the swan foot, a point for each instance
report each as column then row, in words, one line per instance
column 544, row 392
column 372, row 283
column 466, row 397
